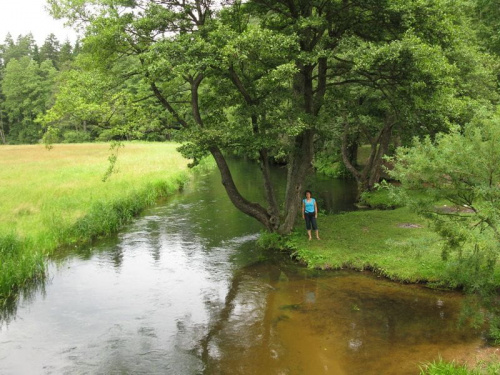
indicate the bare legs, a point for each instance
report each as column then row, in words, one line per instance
column 309, row 234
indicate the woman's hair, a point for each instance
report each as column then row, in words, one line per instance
column 307, row 191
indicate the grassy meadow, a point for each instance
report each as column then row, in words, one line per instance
column 56, row 198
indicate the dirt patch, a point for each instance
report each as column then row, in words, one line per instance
column 409, row 225
column 454, row 209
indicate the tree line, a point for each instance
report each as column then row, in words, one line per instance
column 28, row 80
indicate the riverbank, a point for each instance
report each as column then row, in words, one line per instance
column 396, row 244
column 51, row 199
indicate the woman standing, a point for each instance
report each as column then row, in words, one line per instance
column 310, row 214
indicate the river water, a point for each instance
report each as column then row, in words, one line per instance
column 185, row 290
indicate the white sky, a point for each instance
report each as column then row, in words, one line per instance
column 25, row 16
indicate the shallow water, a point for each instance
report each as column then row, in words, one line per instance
column 184, row 290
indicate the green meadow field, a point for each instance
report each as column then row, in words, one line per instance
column 53, row 198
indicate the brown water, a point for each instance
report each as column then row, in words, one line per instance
column 280, row 322
column 185, row 290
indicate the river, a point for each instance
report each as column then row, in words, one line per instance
column 185, row 290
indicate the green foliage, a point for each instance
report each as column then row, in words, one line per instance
column 10, row 246
column 27, row 88
column 18, row 265
column 454, row 181
column 105, row 218
column 330, row 165
column 381, row 199
column 50, row 50
column 441, row 367
column 494, row 331
column 24, row 46
column 487, row 17
column 75, row 136
column 261, row 80
column 461, row 168
column 272, row 241
column 90, row 105
column 27, row 80
column 114, row 148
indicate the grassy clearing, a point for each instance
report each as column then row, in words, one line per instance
column 56, row 198
column 396, row 243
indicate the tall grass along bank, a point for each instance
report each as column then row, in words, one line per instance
column 56, row 198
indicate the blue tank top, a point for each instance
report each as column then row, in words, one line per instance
column 309, row 206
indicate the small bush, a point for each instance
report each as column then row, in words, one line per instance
column 272, row 241
column 380, row 199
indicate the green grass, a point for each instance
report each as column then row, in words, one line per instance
column 397, row 244
column 441, row 367
column 55, row 198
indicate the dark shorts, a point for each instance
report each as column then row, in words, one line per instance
column 310, row 221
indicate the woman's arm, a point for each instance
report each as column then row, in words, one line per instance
column 303, row 210
column 315, row 209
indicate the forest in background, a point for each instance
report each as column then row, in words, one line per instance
column 29, row 78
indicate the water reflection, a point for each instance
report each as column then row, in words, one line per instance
column 345, row 323
column 9, row 307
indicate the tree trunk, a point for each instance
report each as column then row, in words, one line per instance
column 352, row 150
column 299, row 167
column 301, row 157
column 376, row 170
column 252, row 209
column 370, row 174
column 273, row 210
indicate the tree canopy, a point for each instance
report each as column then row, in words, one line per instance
column 274, row 80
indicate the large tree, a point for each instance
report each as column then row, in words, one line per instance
column 260, row 77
